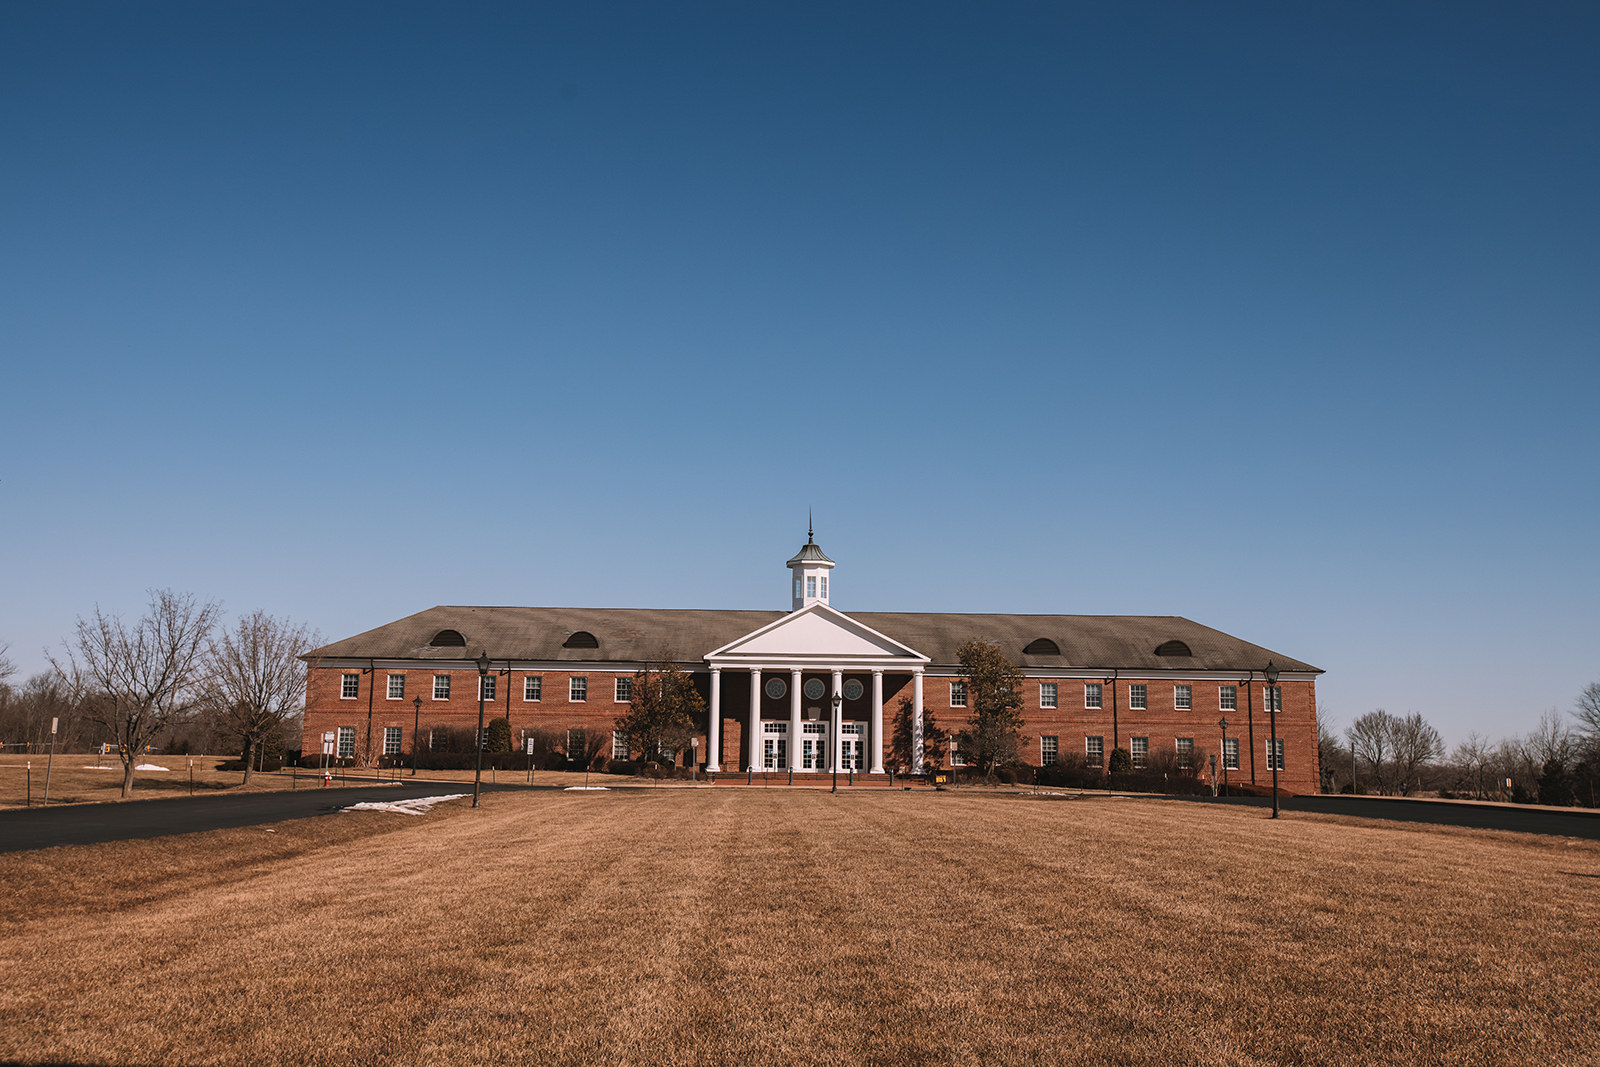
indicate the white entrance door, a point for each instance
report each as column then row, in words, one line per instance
column 813, row 746
column 852, row 746
column 775, row 746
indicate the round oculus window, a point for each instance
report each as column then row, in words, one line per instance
column 852, row 689
column 814, row 689
column 776, row 687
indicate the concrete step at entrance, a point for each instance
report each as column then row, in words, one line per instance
column 815, row 780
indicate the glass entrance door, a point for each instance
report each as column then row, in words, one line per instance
column 775, row 746
column 852, row 746
column 813, row 746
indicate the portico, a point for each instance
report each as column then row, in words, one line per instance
column 802, row 667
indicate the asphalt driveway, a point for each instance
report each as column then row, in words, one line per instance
column 88, row 824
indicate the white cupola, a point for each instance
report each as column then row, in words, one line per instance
column 810, row 569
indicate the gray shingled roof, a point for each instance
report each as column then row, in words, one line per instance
column 637, row 635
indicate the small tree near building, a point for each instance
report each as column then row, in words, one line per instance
column 256, row 680
column 994, row 697
column 664, row 711
column 935, row 740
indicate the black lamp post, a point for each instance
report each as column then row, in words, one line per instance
column 477, row 777
column 838, row 745
column 416, row 704
column 1224, row 724
column 1273, row 698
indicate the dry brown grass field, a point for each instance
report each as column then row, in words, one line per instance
column 728, row 926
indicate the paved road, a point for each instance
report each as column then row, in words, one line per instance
column 1571, row 822
column 87, row 824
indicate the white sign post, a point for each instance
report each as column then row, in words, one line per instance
column 51, row 763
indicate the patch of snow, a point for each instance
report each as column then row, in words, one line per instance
column 101, row 768
column 149, row 767
column 587, row 788
column 416, row 806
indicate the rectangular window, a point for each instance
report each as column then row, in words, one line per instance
column 391, row 740
column 1139, row 749
column 347, row 742
column 1275, row 754
column 624, row 690
column 577, row 739
column 1047, row 694
column 1091, row 694
column 1136, row 697
column 532, row 688
column 1274, row 697
column 957, row 759
column 578, row 690
column 619, row 745
column 958, row 694
column 349, row 686
column 1094, row 751
column 1048, row 751
column 438, row 737
column 488, row 683
column 1228, row 698
column 1186, row 753
column 397, row 687
column 441, row 687
column 1183, row 697
column 1230, row 754
column 811, row 587
column 824, row 587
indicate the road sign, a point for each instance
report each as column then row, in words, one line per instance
column 53, row 725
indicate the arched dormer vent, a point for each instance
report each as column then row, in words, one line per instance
column 448, row 639
column 581, row 639
column 1042, row 646
column 1173, row 648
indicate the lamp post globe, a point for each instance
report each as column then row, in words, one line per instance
column 477, row 776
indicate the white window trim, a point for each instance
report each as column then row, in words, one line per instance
column 1100, row 696
column 389, row 687
column 1144, row 700
column 1176, row 689
column 1055, row 695
column 538, row 686
column 616, row 690
column 964, row 694
column 349, row 674
column 572, row 691
column 447, row 687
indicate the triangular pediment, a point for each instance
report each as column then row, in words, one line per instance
column 817, row 635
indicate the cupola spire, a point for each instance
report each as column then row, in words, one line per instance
column 810, row 568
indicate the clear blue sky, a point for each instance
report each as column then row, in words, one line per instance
column 1280, row 317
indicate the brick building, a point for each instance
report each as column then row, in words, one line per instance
column 1149, row 684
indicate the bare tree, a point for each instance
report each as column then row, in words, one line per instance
column 255, row 678
column 1415, row 745
column 138, row 680
column 1369, row 738
column 1587, row 713
column 7, row 667
column 1473, row 759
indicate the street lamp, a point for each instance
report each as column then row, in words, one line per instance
column 1224, row 724
column 483, row 673
column 416, row 704
column 837, row 746
column 1272, row 714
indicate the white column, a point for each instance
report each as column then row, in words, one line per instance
column 794, row 719
column 714, row 730
column 838, row 720
column 916, row 721
column 876, row 767
column 754, row 729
